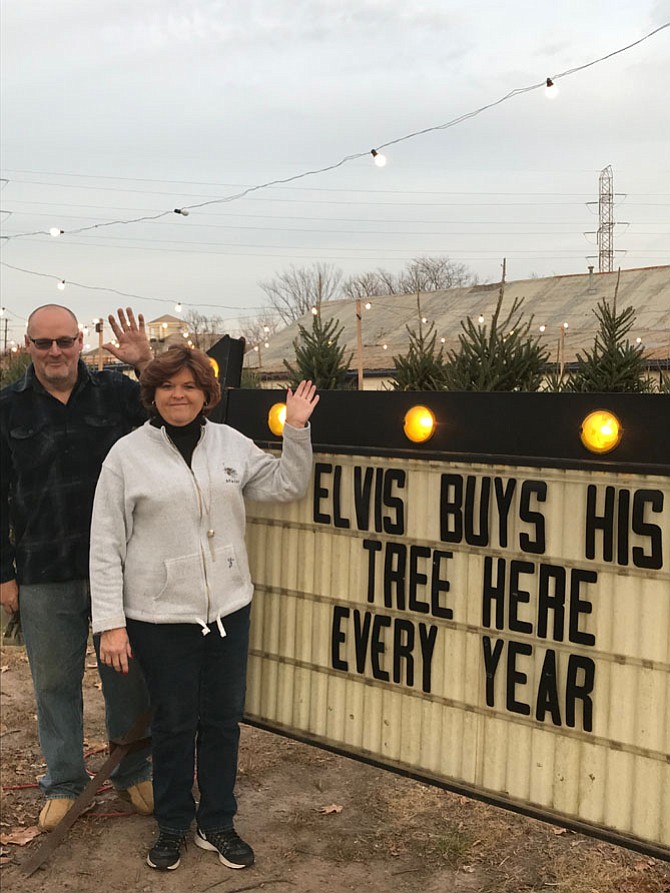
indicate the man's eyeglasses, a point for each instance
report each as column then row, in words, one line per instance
column 45, row 343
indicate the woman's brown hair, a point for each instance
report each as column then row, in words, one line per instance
column 170, row 363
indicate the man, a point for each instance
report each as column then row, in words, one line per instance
column 56, row 426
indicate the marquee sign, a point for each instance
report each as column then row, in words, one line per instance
column 502, row 629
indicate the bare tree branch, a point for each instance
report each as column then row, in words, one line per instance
column 295, row 291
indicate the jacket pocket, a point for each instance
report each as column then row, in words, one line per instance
column 32, row 445
column 184, row 587
column 102, row 431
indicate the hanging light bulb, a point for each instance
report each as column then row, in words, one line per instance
column 367, row 305
column 481, row 318
column 550, row 90
column 61, row 285
column 177, row 307
column 378, row 158
column 542, row 327
column 55, row 232
column 183, row 211
column 315, row 312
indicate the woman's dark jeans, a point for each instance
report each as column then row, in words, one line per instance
column 197, row 686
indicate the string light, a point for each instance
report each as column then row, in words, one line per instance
column 115, row 291
column 55, row 232
column 367, row 305
column 550, row 90
column 178, row 307
column 61, row 285
column 378, row 158
column 542, row 327
column 481, row 319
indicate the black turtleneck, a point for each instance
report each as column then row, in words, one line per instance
column 184, row 437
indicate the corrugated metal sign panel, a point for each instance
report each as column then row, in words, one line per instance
column 503, row 629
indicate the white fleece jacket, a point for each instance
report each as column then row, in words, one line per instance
column 167, row 541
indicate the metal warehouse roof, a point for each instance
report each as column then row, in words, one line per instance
column 551, row 301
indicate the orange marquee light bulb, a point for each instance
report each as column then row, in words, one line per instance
column 419, row 424
column 277, row 418
column 601, row 431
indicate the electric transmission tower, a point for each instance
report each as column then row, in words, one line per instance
column 606, row 222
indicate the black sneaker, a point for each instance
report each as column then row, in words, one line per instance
column 164, row 854
column 232, row 850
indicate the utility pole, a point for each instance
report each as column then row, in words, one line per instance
column 98, row 329
column 606, row 221
column 359, row 344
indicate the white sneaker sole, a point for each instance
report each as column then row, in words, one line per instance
column 206, row 845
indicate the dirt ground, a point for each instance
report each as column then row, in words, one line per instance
column 319, row 823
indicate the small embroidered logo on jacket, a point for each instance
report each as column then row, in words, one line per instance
column 232, row 476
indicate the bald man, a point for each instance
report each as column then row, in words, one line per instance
column 56, row 426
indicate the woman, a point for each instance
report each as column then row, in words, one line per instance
column 170, row 585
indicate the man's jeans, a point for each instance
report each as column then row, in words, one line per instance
column 197, row 685
column 55, row 623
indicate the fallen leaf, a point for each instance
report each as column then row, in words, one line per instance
column 558, row 831
column 20, row 836
column 327, row 810
column 94, row 745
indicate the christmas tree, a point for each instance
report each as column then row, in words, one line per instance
column 319, row 357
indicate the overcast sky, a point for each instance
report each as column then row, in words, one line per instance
column 113, row 109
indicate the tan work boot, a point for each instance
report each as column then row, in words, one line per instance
column 52, row 812
column 141, row 795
